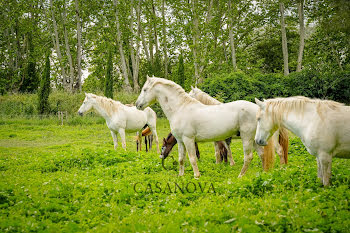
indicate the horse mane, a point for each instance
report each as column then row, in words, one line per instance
column 281, row 106
column 205, row 98
column 111, row 106
column 186, row 98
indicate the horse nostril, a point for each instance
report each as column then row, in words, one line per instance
column 80, row 113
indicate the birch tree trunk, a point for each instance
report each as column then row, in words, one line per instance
column 302, row 34
column 57, row 43
column 70, row 60
column 134, row 56
column 127, row 86
column 165, row 50
column 79, row 52
column 195, row 41
column 207, row 35
column 155, row 27
column 284, row 41
column 232, row 42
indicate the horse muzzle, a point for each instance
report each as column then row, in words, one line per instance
column 138, row 105
column 260, row 142
column 80, row 113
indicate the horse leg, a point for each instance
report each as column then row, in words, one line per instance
column 182, row 154
column 121, row 132
column 150, row 141
column 248, row 154
column 115, row 140
column 197, row 151
column 319, row 169
column 191, row 150
column 229, row 152
column 326, row 166
column 146, row 143
column 217, row 153
column 154, row 132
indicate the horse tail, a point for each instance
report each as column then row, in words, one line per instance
column 269, row 155
column 284, row 141
column 147, row 131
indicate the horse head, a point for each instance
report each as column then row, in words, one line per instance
column 167, row 146
column 88, row 102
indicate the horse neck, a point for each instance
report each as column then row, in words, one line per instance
column 297, row 122
column 169, row 103
column 102, row 111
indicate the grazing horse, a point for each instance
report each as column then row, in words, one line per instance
column 322, row 125
column 119, row 117
column 281, row 139
column 170, row 142
column 191, row 121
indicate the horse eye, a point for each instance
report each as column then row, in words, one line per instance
column 145, row 89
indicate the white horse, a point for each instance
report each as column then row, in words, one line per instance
column 322, row 125
column 192, row 121
column 120, row 118
column 206, row 99
column 280, row 137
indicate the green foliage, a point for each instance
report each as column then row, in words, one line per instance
column 309, row 83
column 45, row 88
column 70, row 179
column 109, row 77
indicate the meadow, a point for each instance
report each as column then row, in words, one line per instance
column 68, row 178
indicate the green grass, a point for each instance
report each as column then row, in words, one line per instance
column 69, row 178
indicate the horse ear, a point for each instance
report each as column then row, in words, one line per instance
column 192, row 87
column 260, row 103
column 164, row 140
column 147, row 77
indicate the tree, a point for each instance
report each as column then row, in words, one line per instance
column 109, row 77
column 181, row 72
column 301, row 33
column 284, row 40
column 45, row 88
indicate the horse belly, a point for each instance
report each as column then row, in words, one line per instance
column 217, row 129
column 135, row 122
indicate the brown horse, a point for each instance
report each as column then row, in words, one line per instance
column 170, row 142
column 147, row 133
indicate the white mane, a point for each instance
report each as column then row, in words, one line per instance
column 281, row 106
column 111, row 106
column 177, row 89
column 204, row 97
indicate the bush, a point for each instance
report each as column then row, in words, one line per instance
column 309, row 83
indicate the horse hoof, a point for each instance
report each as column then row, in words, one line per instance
column 240, row 176
column 197, row 177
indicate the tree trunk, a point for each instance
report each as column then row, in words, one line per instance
column 302, row 34
column 155, row 27
column 165, row 50
column 284, row 41
column 232, row 43
column 70, row 60
column 57, row 43
column 134, row 56
column 195, row 41
column 79, row 52
column 204, row 54
column 127, row 86
column 144, row 44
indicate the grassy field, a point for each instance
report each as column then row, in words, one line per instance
column 70, row 179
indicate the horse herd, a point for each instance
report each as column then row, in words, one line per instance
column 322, row 125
